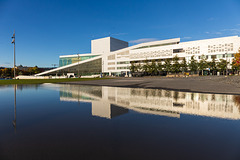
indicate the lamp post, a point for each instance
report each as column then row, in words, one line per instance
column 14, row 65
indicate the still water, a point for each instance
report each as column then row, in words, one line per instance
column 53, row 121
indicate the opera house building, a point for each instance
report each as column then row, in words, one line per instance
column 113, row 56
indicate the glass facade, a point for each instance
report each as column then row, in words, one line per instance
column 69, row 60
column 88, row 68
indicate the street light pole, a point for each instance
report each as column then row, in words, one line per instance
column 14, row 65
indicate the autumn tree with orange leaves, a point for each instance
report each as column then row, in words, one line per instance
column 236, row 61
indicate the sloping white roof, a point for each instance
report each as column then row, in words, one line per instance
column 67, row 66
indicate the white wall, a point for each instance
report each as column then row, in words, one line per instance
column 100, row 46
column 163, row 52
column 107, row 45
column 166, row 51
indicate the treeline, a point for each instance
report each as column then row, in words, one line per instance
column 173, row 66
column 9, row 72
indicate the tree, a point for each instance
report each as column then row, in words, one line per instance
column 133, row 67
column 176, row 65
column 34, row 70
column 234, row 68
column 212, row 65
column 145, row 67
column 138, row 68
column 167, row 65
column 222, row 65
column 159, row 66
column 184, row 65
column 236, row 61
column 6, row 72
column 153, row 68
column 202, row 64
column 193, row 65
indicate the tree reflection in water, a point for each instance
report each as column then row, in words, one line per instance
column 236, row 99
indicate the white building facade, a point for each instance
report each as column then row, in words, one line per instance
column 218, row 48
column 115, row 55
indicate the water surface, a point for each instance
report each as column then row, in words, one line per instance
column 52, row 121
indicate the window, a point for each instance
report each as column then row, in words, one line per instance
column 219, row 56
column 122, row 67
column 213, row 56
column 111, row 68
column 111, row 63
column 111, row 57
column 180, row 50
column 124, row 62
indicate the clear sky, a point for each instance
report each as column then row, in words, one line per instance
column 46, row 29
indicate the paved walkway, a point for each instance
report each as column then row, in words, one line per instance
column 209, row 84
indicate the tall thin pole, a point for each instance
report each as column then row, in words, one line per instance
column 14, row 62
column 14, row 65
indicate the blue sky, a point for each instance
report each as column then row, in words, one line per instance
column 46, row 29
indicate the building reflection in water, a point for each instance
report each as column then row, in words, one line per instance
column 109, row 102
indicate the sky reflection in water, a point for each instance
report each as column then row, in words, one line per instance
column 93, row 122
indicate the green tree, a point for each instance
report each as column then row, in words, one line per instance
column 212, row 65
column 221, row 66
column 34, row 70
column 167, row 65
column 7, row 72
column 159, row 66
column 193, row 65
column 153, row 68
column 235, row 68
column 176, row 65
column 184, row 65
column 203, row 63
column 138, row 68
column 133, row 67
column 145, row 67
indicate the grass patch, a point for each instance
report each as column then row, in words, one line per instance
column 40, row 81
